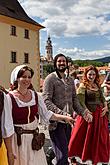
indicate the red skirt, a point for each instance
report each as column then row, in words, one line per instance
column 109, row 140
column 90, row 141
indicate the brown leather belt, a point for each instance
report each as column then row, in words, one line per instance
column 19, row 131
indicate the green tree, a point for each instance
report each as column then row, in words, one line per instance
column 47, row 69
column 88, row 62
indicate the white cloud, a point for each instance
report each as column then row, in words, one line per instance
column 77, row 53
column 72, row 17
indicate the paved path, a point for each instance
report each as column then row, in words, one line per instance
column 44, row 129
column 47, row 144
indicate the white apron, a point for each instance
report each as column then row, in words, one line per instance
column 24, row 153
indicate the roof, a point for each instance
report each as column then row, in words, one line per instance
column 13, row 9
column 99, row 68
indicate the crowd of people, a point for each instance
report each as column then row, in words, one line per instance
column 77, row 116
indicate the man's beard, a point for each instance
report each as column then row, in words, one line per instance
column 61, row 69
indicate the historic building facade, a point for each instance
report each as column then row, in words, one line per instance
column 19, row 44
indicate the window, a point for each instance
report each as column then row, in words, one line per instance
column 26, row 58
column 26, row 33
column 13, row 30
column 13, row 57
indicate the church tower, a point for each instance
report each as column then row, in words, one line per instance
column 49, row 51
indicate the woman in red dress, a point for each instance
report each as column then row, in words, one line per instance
column 90, row 141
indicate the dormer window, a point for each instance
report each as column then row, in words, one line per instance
column 11, row 9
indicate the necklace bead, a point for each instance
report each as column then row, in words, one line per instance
column 22, row 94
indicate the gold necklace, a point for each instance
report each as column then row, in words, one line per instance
column 22, row 94
column 93, row 87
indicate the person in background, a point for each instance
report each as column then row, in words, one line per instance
column 76, row 79
column 90, row 141
column 106, row 91
column 60, row 97
column 6, row 131
column 26, row 105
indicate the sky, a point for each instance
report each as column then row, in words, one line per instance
column 79, row 29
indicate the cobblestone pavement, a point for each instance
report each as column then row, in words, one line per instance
column 43, row 128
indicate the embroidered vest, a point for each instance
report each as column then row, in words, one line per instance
column 20, row 114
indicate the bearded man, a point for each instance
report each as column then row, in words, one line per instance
column 60, row 97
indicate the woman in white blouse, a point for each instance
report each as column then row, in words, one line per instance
column 26, row 105
column 7, row 131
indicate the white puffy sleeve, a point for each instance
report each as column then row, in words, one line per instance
column 43, row 112
column 6, row 119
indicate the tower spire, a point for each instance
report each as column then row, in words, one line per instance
column 49, row 50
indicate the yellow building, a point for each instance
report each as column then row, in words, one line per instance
column 19, row 41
